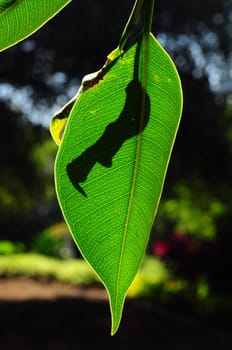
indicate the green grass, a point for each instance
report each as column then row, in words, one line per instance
column 34, row 265
column 77, row 272
column 8, row 247
column 153, row 280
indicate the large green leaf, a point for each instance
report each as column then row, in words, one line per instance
column 112, row 161
column 20, row 18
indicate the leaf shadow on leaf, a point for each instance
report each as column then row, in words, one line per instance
column 132, row 121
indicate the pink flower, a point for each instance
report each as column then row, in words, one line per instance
column 161, row 249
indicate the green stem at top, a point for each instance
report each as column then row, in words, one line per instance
column 147, row 26
column 150, row 4
column 132, row 23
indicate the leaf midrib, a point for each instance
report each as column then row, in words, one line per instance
column 137, row 157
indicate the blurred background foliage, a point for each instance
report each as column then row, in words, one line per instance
column 188, row 255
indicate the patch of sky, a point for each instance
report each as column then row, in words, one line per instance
column 204, row 53
column 57, row 81
column 39, row 111
column 218, row 19
column 28, row 45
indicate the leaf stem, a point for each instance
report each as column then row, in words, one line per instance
column 148, row 17
column 131, row 23
column 147, row 25
column 128, row 30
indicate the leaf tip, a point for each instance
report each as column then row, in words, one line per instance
column 116, row 309
column 115, row 325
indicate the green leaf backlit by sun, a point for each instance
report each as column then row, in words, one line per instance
column 115, row 139
column 113, row 158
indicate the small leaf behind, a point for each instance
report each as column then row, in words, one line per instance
column 21, row 18
column 6, row 4
column 112, row 161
